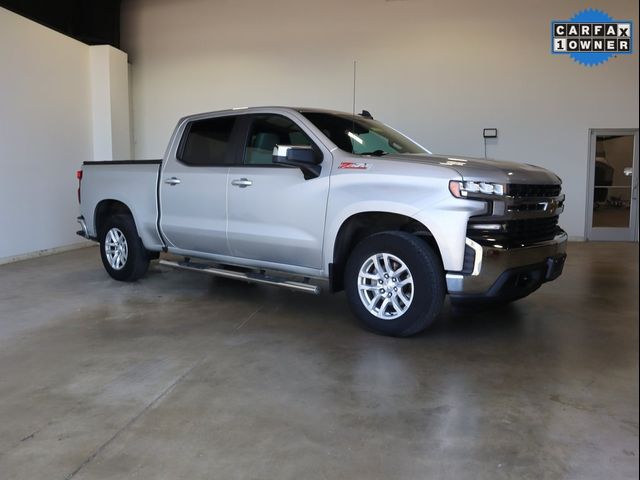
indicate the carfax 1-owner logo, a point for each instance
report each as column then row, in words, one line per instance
column 591, row 37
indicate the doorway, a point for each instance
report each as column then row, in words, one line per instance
column 612, row 202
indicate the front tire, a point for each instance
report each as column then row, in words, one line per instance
column 123, row 254
column 394, row 283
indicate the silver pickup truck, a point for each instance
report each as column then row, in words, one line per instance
column 306, row 198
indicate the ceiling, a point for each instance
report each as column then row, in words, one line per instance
column 93, row 22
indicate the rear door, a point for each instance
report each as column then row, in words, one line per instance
column 274, row 214
column 193, row 186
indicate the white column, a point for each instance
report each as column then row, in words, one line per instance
column 110, row 103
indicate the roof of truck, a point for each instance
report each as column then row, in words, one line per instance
column 272, row 108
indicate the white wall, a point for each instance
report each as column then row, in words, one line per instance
column 440, row 71
column 45, row 134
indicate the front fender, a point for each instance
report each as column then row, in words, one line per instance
column 425, row 199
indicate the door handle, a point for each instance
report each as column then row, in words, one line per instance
column 242, row 182
column 172, row 181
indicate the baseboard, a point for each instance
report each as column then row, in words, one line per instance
column 48, row 251
column 576, row 238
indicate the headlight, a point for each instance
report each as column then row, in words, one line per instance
column 471, row 189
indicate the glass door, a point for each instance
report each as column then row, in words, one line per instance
column 613, row 185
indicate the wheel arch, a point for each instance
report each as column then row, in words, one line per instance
column 107, row 208
column 359, row 226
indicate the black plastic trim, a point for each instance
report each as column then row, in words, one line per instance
column 159, row 213
column 123, row 162
column 518, row 282
column 183, row 141
column 333, row 287
column 469, row 260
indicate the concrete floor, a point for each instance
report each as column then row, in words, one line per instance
column 182, row 376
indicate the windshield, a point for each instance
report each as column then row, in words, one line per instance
column 362, row 136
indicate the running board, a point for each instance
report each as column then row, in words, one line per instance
column 246, row 276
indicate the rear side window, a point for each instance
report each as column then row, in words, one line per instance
column 207, row 142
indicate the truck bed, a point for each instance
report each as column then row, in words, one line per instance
column 132, row 182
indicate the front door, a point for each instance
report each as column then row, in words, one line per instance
column 613, row 185
column 275, row 215
column 193, row 187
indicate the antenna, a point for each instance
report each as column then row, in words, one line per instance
column 355, row 66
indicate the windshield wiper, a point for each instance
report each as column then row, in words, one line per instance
column 375, row 153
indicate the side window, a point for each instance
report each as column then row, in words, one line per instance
column 207, row 142
column 266, row 132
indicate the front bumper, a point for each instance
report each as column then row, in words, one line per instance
column 509, row 273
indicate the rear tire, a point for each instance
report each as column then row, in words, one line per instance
column 395, row 283
column 123, row 254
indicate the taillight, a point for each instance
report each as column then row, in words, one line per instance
column 79, row 177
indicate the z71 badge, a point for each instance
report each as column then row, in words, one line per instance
column 354, row 166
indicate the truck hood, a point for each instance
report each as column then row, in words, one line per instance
column 485, row 170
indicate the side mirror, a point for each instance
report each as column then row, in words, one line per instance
column 302, row 157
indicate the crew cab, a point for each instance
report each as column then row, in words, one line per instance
column 307, row 199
